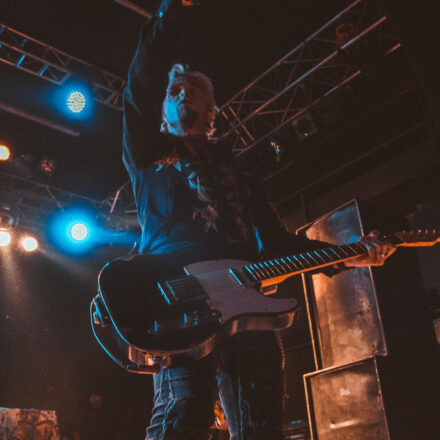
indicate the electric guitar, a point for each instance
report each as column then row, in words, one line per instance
column 151, row 311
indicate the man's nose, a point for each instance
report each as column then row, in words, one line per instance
column 183, row 92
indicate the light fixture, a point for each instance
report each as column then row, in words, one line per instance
column 276, row 148
column 304, row 126
column 5, row 238
column 76, row 102
column 7, row 219
column 5, row 153
column 48, row 166
column 29, row 244
column 79, row 231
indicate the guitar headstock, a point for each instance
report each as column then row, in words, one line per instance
column 426, row 237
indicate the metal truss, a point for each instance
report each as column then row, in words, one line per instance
column 44, row 61
column 134, row 7
column 121, row 205
column 325, row 62
column 32, row 202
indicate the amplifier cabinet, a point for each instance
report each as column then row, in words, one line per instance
column 346, row 403
column 367, row 400
column 367, row 311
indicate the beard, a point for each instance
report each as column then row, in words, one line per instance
column 188, row 116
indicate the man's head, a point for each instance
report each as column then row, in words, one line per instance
column 188, row 109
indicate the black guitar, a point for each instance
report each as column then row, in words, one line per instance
column 152, row 311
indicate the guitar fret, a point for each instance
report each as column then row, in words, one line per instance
column 289, row 269
column 275, row 266
column 279, row 266
column 301, row 264
column 269, row 269
column 263, row 270
column 316, row 262
column 334, row 251
column 284, row 265
column 345, row 254
column 258, row 271
column 351, row 246
column 250, row 273
column 293, row 263
column 359, row 247
column 347, row 249
column 330, row 258
column 326, row 256
column 321, row 259
column 305, row 259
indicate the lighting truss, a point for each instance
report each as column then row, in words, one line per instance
column 121, row 205
column 44, row 61
column 325, row 62
column 34, row 201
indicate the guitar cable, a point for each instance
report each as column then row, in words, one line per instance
column 109, row 353
column 280, row 343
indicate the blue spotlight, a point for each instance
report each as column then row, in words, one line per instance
column 76, row 101
column 79, row 231
column 73, row 231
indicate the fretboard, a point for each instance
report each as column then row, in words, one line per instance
column 307, row 261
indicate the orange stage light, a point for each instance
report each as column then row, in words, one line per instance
column 5, row 153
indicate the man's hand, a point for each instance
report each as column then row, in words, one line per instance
column 378, row 251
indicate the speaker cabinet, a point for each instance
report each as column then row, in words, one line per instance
column 373, row 339
column 346, row 403
column 368, row 400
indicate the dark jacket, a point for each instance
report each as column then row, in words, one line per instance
column 168, row 205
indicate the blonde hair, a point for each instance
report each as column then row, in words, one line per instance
column 180, row 72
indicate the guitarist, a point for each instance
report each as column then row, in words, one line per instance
column 192, row 200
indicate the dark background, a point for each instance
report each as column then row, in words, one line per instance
column 49, row 359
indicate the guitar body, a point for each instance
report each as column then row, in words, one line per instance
column 153, row 321
column 153, row 309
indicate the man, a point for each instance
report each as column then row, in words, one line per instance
column 192, row 200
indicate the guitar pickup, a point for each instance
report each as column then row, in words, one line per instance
column 167, row 292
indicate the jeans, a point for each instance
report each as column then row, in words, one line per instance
column 245, row 371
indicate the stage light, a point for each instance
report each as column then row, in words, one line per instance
column 79, row 231
column 76, row 102
column 5, row 238
column 48, row 166
column 7, row 217
column 276, row 148
column 5, row 153
column 304, row 126
column 74, row 230
column 29, row 244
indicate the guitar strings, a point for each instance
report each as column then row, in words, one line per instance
column 265, row 268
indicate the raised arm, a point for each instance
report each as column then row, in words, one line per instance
column 147, row 78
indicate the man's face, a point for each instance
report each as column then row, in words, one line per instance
column 186, row 109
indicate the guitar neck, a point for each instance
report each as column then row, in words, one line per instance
column 276, row 270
